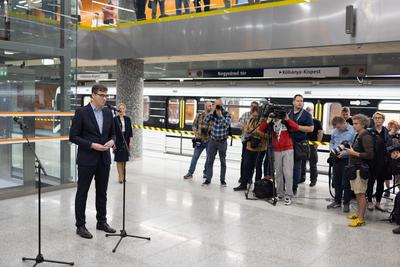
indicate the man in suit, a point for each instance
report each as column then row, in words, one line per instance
column 93, row 131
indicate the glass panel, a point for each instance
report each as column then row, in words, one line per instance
column 173, row 111
column 232, row 105
column 389, row 116
column 190, row 111
column 331, row 110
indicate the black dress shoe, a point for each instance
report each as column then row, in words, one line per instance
column 83, row 232
column 105, row 227
column 241, row 187
column 313, row 183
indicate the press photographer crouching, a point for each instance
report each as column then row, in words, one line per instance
column 361, row 153
column 342, row 136
column 201, row 131
column 255, row 149
column 279, row 125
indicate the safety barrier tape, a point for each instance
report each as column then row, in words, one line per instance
column 191, row 133
column 32, row 139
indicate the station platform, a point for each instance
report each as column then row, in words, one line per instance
column 193, row 225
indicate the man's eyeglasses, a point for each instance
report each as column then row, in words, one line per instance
column 101, row 95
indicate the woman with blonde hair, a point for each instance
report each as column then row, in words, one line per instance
column 123, row 132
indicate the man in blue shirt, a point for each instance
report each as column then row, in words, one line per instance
column 306, row 125
column 343, row 133
column 221, row 120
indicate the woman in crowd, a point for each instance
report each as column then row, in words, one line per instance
column 123, row 132
column 108, row 13
column 360, row 153
column 255, row 148
column 393, row 128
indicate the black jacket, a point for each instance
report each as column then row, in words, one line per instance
column 85, row 131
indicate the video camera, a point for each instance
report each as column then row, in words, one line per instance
column 269, row 110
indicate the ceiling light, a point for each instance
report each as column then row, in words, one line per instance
column 47, row 61
column 9, row 52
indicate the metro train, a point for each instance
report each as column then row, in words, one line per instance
column 174, row 106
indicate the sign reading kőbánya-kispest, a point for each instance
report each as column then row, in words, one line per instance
column 309, row 72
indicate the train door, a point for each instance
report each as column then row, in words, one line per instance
column 181, row 113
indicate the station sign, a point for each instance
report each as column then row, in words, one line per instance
column 92, row 76
column 318, row 72
column 232, row 73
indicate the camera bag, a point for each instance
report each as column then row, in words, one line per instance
column 263, row 188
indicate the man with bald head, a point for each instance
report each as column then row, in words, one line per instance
column 201, row 131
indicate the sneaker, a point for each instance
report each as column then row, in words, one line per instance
column 346, row 208
column 352, row 216
column 396, row 231
column 187, row 176
column 223, row 183
column 288, row 201
column 333, row 205
column 356, row 223
column 206, row 182
column 280, row 198
column 313, row 183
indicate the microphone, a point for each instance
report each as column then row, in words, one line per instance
column 113, row 108
column 20, row 122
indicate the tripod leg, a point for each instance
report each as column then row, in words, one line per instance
column 141, row 237
column 116, row 246
column 60, row 262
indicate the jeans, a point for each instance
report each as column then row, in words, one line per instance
column 313, row 164
column 154, row 8
column 178, row 6
column 296, row 173
column 196, row 154
column 341, row 181
column 252, row 159
column 212, row 149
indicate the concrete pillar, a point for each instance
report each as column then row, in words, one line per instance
column 130, row 73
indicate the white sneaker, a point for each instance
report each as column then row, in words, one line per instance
column 280, row 198
column 288, row 201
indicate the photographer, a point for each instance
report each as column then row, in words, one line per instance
column 380, row 170
column 243, row 121
column 255, row 148
column 306, row 125
column 393, row 128
column 201, row 131
column 358, row 172
column 280, row 125
column 221, row 121
column 342, row 134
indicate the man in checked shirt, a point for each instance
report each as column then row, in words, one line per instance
column 221, row 120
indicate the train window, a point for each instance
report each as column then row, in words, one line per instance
column 173, row 111
column 331, row 110
column 190, row 111
column 146, row 108
column 232, row 106
column 309, row 105
column 389, row 105
column 389, row 116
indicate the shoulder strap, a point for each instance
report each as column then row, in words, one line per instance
column 301, row 113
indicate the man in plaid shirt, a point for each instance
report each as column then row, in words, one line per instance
column 201, row 131
column 221, row 120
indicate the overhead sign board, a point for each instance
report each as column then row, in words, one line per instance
column 231, row 73
column 317, row 72
column 91, row 76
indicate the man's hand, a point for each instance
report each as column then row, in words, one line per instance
column 109, row 144
column 340, row 155
column 98, row 147
column 351, row 152
column 269, row 119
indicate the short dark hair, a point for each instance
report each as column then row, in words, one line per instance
column 297, row 95
column 345, row 109
column 254, row 102
column 337, row 120
column 99, row 87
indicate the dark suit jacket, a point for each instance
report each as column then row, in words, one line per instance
column 85, row 131
column 118, row 132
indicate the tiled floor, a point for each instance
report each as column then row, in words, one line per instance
column 191, row 225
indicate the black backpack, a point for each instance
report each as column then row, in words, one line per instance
column 395, row 214
column 263, row 188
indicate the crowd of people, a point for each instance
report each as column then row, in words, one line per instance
column 363, row 153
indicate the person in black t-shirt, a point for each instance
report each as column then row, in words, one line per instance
column 346, row 115
column 315, row 135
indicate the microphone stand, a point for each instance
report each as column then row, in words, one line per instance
column 39, row 258
column 123, row 232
